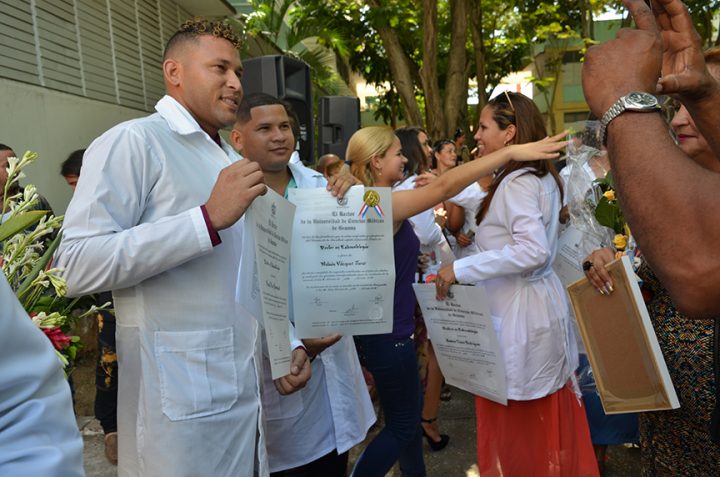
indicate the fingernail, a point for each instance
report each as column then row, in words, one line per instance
column 600, row 291
column 605, row 289
column 609, row 287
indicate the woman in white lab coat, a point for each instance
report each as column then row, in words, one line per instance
column 517, row 237
column 377, row 160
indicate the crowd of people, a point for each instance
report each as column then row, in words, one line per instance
column 158, row 218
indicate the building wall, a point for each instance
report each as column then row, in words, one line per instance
column 53, row 124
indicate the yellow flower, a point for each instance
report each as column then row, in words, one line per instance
column 620, row 242
column 609, row 194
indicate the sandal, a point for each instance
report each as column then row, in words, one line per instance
column 434, row 445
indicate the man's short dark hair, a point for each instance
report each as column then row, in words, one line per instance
column 71, row 166
column 4, row 147
column 294, row 120
column 196, row 27
column 254, row 100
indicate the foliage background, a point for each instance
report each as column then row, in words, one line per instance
column 423, row 54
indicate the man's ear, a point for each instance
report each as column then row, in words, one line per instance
column 172, row 72
column 236, row 138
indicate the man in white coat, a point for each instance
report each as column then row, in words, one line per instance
column 38, row 432
column 154, row 220
column 311, row 431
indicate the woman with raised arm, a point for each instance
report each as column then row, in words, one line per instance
column 517, row 234
column 377, row 160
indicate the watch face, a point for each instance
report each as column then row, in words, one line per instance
column 641, row 100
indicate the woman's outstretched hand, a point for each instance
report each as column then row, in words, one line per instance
column 548, row 148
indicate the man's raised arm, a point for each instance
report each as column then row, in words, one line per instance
column 670, row 202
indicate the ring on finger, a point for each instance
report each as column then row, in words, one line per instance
column 587, row 265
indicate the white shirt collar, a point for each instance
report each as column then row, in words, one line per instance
column 177, row 116
column 180, row 120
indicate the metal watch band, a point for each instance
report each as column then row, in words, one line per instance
column 609, row 115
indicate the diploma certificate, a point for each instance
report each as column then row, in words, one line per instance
column 569, row 255
column 464, row 339
column 269, row 220
column 342, row 262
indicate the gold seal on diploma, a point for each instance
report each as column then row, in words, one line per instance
column 371, row 198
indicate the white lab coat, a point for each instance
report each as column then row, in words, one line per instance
column 518, row 243
column 38, row 432
column 188, row 400
column 334, row 410
column 469, row 199
column 423, row 224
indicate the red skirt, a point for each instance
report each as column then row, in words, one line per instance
column 547, row 437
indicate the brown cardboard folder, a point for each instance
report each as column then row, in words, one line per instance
column 623, row 350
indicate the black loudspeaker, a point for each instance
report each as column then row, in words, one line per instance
column 287, row 79
column 338, row 119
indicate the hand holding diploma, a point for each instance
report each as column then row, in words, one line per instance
column 300, row 372
column 445, row 278
column 463, row 336
column 315, row 346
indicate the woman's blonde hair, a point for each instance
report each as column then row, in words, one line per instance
column 365, row 144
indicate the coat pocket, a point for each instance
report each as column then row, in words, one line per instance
column 197, row 372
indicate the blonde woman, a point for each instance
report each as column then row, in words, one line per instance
column 377, row 160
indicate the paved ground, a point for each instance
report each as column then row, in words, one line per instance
column 457, row 418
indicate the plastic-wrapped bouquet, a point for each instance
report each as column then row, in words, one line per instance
column 593, row 204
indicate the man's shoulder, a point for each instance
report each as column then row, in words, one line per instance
column 306, row 177
column 138, row 133
column 139, row 125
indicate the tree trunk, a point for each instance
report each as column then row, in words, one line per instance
column 393, row 110
column 429, row 74
column 586, row 25
column 456, row 84
column 476, row 29
column 400, row 69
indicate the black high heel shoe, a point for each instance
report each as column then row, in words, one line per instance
column 434, row 445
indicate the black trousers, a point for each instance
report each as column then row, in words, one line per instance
column 329, row 465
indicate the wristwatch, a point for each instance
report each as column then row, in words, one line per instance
column 635, row 101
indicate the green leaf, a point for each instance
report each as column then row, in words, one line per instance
column 609, row 180
column 19, row 223
column 608, row 214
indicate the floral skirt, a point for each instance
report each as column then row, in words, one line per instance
column 546, row 437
